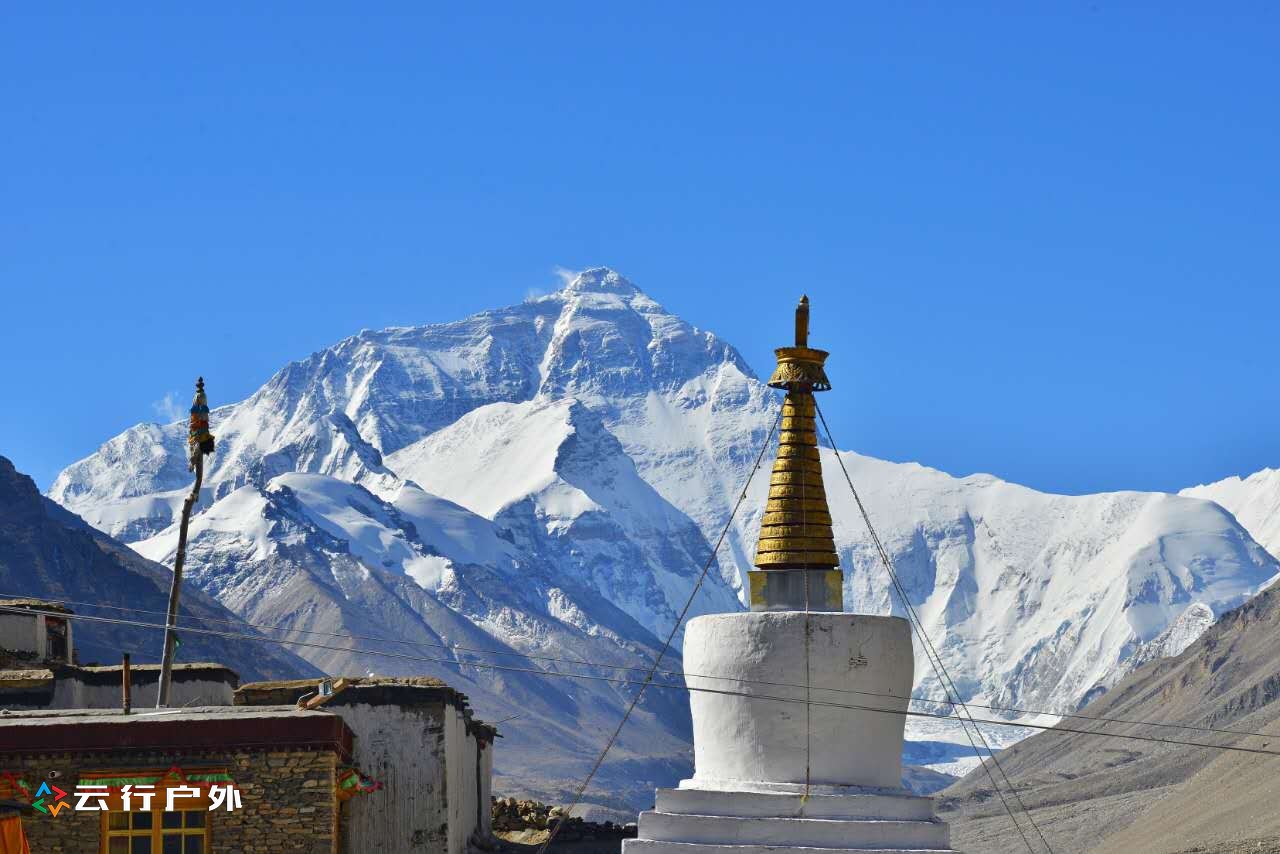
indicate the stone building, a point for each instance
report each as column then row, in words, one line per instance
column 71, row 686
column 294, row 750
column 35, row 631
column 39, row 669
column 417, row 737
column 286, row 764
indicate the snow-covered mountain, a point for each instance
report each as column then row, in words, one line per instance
column 560, row 484
column 1052, row 593
column 1253, row 500
column 417, row 584
column 545, row 479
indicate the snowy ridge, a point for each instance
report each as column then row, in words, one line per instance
column 545, row 477
column 552, row 476
column 1253, row 500
column 1051, row 592
column 417, row 587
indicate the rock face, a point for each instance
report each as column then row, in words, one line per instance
column 1091, row 793
column 544, row 479
column 46, row 552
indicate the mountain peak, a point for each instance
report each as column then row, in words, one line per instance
column 601, row 280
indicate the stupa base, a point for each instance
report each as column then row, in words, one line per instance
column 775, row 774
column 753, row 819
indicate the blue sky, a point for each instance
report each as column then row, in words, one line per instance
column 1041, row 238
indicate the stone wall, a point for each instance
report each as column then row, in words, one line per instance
column 288, row 799
column 416, row 736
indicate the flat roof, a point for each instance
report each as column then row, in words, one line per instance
column 194, row 729
column 372, row 690
column 193, row 665
column 353, row 681
column 42, row 604
column 110, row 674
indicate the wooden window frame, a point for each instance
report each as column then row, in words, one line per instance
column 157, row 831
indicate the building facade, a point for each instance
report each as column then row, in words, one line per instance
column 418, row 739
column 295, row 752
column 182, row 781
column 33, row 630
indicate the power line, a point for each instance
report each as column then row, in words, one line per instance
column 673, row 673
column 577, row 796
column 341, row 636
column 623, row 681
column 935, row 660
column 917, row 626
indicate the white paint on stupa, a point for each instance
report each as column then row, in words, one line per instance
column 785, row 775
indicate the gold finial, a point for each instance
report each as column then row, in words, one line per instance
column 796, row 560
column 801, row 365
column 802, row 322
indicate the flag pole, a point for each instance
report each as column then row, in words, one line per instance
column 199, row 443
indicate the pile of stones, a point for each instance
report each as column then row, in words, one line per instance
column 513, row 818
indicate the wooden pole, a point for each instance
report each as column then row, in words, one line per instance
column 126, row 683
column 166, row 662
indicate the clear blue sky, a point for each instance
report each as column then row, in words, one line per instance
column 1042, row 238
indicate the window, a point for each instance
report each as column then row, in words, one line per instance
column 155, row 832
column 56, row 648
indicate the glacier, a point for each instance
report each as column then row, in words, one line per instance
column 1254, row 501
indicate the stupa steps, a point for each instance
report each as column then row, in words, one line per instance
column 650, row 846
column 791, row 833
column 902, row 807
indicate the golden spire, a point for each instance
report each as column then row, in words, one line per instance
column 796, row 560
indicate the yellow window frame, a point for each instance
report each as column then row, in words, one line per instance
column 157, row 832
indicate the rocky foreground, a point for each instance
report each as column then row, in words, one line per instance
column 519, row 824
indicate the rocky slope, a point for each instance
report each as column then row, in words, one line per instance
column 583, row 448
column 46, row 552
column 419, row 585
column 1091, row 793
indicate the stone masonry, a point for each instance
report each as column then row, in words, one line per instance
column 289, row 799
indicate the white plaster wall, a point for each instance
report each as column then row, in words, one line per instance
column 41, row 639
column 71, row 693
column 470, row 782
column 404, row 748
column 196, row 693
column 485, row 830
column 455, row 768
column 742, row 739
column 469, row 768
column 21, row 632
column 67, row 694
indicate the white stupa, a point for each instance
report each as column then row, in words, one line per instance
column 772, row 775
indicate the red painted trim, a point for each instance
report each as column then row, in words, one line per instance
column 287, row 732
